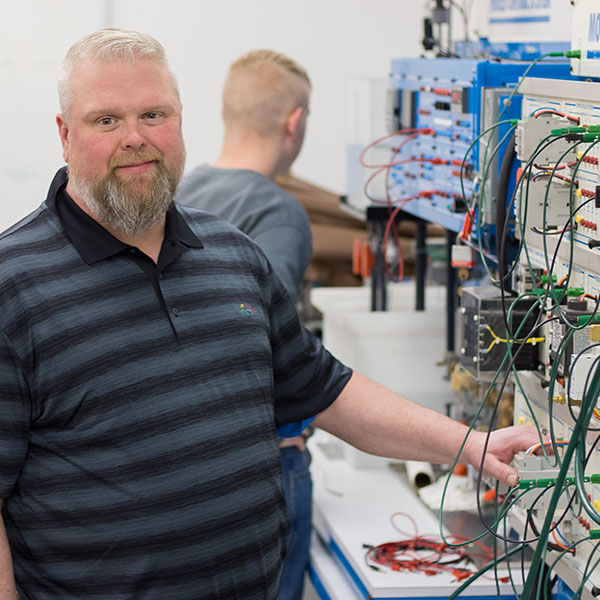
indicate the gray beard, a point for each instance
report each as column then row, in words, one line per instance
column 123, row 210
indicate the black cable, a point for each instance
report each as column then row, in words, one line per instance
column 529, row 520
column 526, row 168
column 587, row 566
column 502, row 256
column 501, row 200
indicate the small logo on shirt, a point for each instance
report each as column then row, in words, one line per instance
column 246, row 310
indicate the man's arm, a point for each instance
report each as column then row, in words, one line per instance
column 381, row 422
column 8, row 590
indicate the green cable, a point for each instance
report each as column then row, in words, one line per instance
column 589, row 399
column 481, row 572
column 572, row 239
column 495, row 540
column 522, row 218
column 586, row 578
column 560, row 557
column 507, row 101
column 544, row 213
column 510, row 342
column 581, row 457
column 523, row 214
column 472, row 425
column 518, row 380
column 476, row 417
column 472, row 145
column 510, row 575
column 571, row 246
column 562, row 348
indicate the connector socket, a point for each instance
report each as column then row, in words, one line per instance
column 531, row 131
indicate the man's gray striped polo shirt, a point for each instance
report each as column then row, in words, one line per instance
column 138, row 455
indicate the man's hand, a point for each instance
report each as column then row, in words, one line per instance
column 501, row 449
column 7, row 579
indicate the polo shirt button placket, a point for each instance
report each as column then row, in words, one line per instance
column 175, row 312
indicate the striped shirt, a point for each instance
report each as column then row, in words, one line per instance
column 138, row 455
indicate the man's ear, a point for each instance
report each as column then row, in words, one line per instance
column 292, row 120
column 63, row 132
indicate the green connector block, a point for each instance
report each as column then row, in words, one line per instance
column 573, row 53
column 566, row 130
column 576, row 291
column 556, row 53
column 545, row 279
column 595, row 534
column 542, row 483
column 594, row 129
column 581, row 319
column 514, row 122
column 525, row 484
column 589, row 137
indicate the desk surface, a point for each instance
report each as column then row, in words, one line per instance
column 353, row 507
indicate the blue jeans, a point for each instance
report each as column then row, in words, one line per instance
column 297, row 484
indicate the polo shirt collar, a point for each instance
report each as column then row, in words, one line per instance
column 92, row 241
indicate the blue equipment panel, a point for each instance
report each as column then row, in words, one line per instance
column 445, row 97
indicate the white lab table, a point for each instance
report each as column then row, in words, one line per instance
column 353, row 507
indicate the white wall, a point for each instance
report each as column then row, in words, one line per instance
column 336, row 40
column 34, row 36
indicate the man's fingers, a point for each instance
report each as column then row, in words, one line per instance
column 501, row 471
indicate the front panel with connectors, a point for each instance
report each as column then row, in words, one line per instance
column 556, row 506
column 437, row 110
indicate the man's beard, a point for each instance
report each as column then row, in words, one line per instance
column 121, row 204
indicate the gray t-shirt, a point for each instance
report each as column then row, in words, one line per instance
column 270, row 216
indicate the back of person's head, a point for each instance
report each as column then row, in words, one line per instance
column 107, row 45
column 261, row 89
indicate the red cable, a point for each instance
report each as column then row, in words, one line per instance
column 414, row 131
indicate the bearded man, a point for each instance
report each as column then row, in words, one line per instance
column 147, row 355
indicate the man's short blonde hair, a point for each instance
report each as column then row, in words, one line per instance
column 261, row 88
column 108, row 45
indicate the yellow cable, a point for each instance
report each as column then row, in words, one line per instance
column 499, row 340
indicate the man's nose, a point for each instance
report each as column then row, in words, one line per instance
column 133, row 138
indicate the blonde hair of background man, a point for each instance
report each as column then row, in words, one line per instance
column 261, row 88
column 107, row 45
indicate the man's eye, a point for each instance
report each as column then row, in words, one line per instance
column 152, row 115
column 105, row 121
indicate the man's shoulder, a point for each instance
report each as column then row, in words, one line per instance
column 208, row 226
column 206, row 184
column 200, row 221
column 37, row 226
column 33, row 249
column 205, row 174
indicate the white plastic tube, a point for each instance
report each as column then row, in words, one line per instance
column 419, row 474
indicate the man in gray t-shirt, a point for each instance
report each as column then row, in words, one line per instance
column 265, row 106
column 274, row 219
